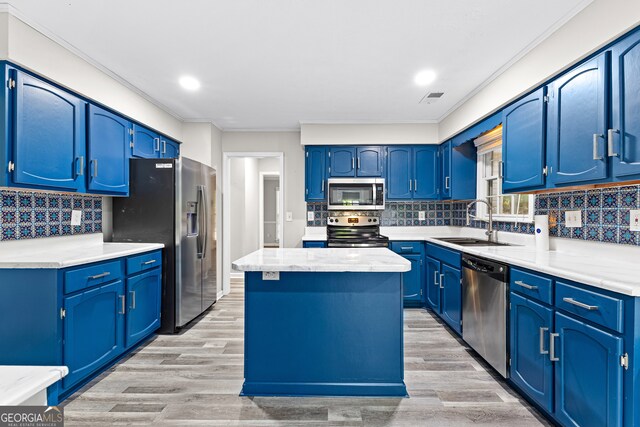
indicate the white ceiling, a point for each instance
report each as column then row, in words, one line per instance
column 273, row 64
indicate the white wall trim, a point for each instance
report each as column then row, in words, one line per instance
column 226, row 207
column 261, row 177
column 380, row 122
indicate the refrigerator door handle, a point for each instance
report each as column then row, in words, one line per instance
column 205, row 221
column 199, row 203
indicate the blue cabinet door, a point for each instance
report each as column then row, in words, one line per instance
column 399, row 173
column 625, row 126
column 577, row 124
column 451, row 297
column 93, row 330
column 143, row 305
column 369, row 161
column 146, row 143
column 432, row 283
column 108, row 152
column 342, row 161
column 445, row 168
column 315, row 174
column 426, row 168
column 523, row 143
column 49, row 135
column 314, row 244
column 531, row 367
column 169, row 149
column 588, row 375
column 412, row 280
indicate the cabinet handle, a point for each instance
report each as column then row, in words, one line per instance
column 323, row 185
column 151, row 261
column 596, row 156
column 95, row 167
column 353, row 163
column 122, row 306
column 500, row 169
column 441, row 281
column 435, row 278
column 415, row 185
column 410, row 184
column 358, row 162
column 101, row 275
column 446, row 182
column 156, row 144
column 580, row 304
column 542, row 350
column 524, row 285
column 133, row 299
column 610, row 151
column 164, row 147
column 81, row 168
column 552, row 347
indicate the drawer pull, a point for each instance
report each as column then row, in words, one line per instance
column 552, row 347
column 406, row 248
column 101, row 275
column 580, row 304
column 542, row 350
column 524, row 285
column 151, row 261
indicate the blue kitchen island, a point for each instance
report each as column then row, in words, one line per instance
column 323, row 322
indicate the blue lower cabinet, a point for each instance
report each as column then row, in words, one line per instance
column 531, row 367
column 588, row 374
column 314, row 244
column 412, row 280
column 450, row 279
column 143, row 305
column 93, row 330
column 432, row 284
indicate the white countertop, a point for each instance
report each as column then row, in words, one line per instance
column 601, row 265
column 66, row 251
column 19, row 383
column 325, row 260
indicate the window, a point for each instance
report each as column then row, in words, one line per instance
column 512, row 208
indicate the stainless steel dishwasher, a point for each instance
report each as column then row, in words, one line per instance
column 484, row 309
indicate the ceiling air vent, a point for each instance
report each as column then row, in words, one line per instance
column 431, row 97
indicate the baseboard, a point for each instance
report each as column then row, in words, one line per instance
column 236, row 275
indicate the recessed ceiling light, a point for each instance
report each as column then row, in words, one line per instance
column 189, row 83
column 425, row 77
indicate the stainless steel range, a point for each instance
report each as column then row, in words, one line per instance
column 355, row 231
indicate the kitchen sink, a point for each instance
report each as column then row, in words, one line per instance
column 470, row 241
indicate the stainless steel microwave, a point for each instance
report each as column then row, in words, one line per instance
column 355, row 194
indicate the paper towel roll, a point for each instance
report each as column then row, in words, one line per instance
column 542, row 232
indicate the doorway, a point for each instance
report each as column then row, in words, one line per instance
column 252, row 207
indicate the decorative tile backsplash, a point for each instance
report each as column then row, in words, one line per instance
column 29, row 215
column 605, row 214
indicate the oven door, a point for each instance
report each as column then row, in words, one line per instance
column 352, row 194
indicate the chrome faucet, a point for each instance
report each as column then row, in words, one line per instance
column 491, row 235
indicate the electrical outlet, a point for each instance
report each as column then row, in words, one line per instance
column 634, row 220
column 422, row 215
column 76, row 217
column 309, row 216
column 289, row 216
column 573, row 219
column 270, row 275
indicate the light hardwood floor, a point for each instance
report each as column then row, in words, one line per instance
column 194, row 379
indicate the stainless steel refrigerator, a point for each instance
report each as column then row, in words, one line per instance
column 173, row 201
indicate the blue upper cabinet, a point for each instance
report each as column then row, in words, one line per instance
column 445, row 156
column 48, row 135
column 458, row 170
column 624, row 135
column 369, row 161
column 315, row 173
column 399, row 174
column 342, row 161
column 108, row 152
column 169, row 149
column 426, row 166
column 577, row 124
column 146, row 143
column 588, row 387
column 523, row 143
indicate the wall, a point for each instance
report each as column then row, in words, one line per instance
column 250, row 236
column 595, row 26
column 369, row 134
column 293, row 191
column 271, row 186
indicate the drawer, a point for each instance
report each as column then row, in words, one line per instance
column 593, row 306
column 138, row 263
column 77, row 279
column 532, row 285
column 314, row 244
column 406, row 247
column 448, row 256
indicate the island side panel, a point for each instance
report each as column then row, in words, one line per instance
column 324, row 334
